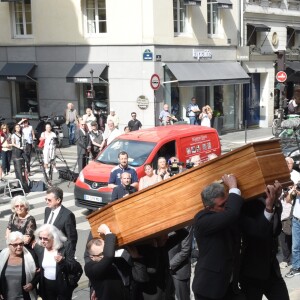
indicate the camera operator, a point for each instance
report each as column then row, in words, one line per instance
column 124, row 189
column 175, row 166
column 29, row 138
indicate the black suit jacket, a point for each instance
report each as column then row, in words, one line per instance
column 66, row 222
column 67, row 265
column 83, row 142
column 259, row 237
column 217, row 240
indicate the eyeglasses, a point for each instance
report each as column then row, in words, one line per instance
column 96, row 255
column 48, row 200
column 16, row 245
column 41, row 238
column 19, row 206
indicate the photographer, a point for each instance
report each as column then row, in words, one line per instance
column 175, row 166
column 124, row 189
column 206, row 116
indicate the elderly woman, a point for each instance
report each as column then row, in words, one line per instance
column 18, row 270
column 20, row 220
column 150, row 177
column 162, row 168
column 56, row 258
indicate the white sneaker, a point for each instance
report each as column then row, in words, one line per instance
column 283, row 265
column 55, row 170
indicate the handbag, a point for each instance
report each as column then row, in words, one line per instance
column 73, row 277
column 287, row 226
column 41, row 143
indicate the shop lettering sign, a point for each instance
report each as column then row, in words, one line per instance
column 202, row 54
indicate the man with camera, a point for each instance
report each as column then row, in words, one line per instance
column 124, row 188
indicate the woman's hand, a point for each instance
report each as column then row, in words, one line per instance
column 58, row 258
column 27, row 287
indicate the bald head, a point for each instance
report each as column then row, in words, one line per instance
column 290, row 163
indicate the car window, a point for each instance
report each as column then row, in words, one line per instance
column 137, row 151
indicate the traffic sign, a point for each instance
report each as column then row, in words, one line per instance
column 281, row 76
column 155, row 82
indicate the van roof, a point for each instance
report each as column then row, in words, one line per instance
column 172, row 131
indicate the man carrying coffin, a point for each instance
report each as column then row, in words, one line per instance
column 216, row 233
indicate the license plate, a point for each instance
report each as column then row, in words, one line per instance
column 93, row 198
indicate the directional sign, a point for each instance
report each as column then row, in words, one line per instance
column 155, row 82
column 281, row 76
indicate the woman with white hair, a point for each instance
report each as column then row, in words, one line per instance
column 18, row 270
column 56, row 258
column 20, row 220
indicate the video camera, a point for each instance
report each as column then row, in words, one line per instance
column 189, row 165
column 174, row 167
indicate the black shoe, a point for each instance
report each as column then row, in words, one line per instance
column 292, row 273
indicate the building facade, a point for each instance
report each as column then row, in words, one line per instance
column 51, row 52
column 271, row 35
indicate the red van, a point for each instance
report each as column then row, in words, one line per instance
column 143, row 146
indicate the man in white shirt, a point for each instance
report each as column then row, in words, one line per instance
column 110, row 133
column 113, row 117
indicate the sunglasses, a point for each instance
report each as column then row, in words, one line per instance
column 19, row 206
column 41, row 238
column 16, row 245
column 96, row 255
column 48, row 200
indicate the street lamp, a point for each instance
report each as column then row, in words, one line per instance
column 92, row 83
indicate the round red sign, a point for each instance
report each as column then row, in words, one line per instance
column 155, row 82
column 281, row 76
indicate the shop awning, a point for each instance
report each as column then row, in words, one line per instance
column 192, row 2
column 224, row 3
column 296, row 29
column 81, row 73
column 17, row 71
column 293, row 65
column 206, row 74
column 260, row 27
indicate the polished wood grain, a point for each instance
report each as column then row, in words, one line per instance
column 173, row 203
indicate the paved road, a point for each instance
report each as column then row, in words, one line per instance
column 229, row 141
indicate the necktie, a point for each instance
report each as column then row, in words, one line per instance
column 51, row 218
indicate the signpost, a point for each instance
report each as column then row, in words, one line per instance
column 281, row 76
column 155, row 82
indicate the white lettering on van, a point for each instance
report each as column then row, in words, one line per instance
column 199, row 138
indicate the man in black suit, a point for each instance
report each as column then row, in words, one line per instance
column 217, row 240
column 84, row 144
column 60, row 216
column 261, row 226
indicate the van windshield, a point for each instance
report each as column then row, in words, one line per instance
column 137, row 152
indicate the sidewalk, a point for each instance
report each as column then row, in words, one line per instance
column 233, row 140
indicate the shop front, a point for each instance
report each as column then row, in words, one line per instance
column 217, row 84
column 23, row 88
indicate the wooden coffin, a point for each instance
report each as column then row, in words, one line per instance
column 173, row 203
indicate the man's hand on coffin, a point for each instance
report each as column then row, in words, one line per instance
column 103, row 229
column 229, row 180
column 271, row 196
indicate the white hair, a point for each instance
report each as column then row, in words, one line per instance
column 13, row 236
column 21, row 200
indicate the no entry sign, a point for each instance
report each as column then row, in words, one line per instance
column 281, row 76
column 155, row 82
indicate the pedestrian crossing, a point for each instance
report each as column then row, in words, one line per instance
column 37, row 208
column 37, row 199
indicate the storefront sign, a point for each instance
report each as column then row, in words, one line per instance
column 11, row 78
column 202, row 54
column 147, row 55
column 81, row 80
column 192, row 2
column 142, row 102
column 242, row 53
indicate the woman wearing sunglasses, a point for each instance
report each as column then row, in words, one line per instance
column 56, row 258
column 19, row 272
column 20, row 220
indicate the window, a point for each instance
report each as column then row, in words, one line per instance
column 96, row 16
column 179, row 16
column 22, row 18
column 212, row 17
column 26, row 98
column 290, row 37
